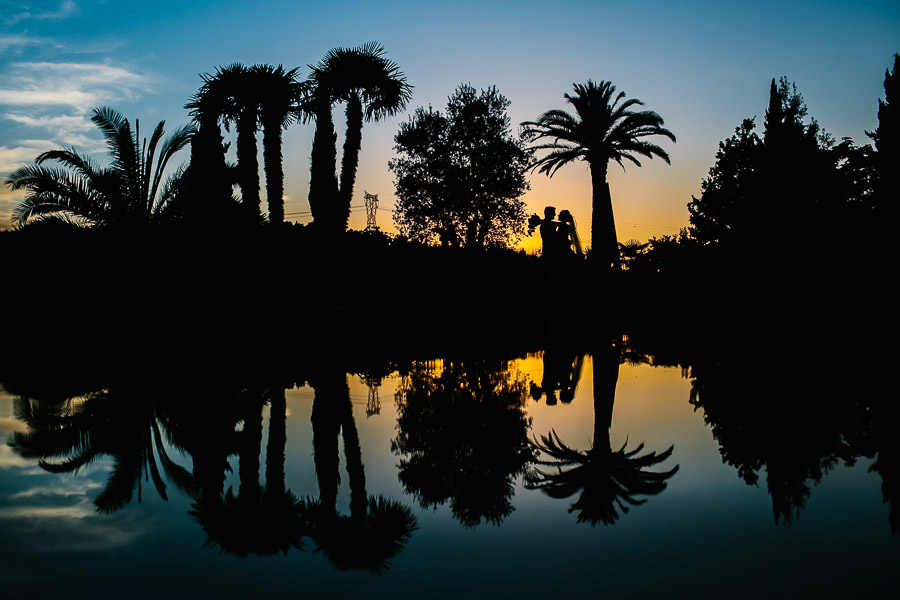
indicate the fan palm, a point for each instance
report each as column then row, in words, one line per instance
column 209, row 178
column 242, row 108
column 278, row 92
column 607, row 480
column 129, row 190
column 603, row 129
column 373, row 88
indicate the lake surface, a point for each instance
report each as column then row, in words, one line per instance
column 450, row 484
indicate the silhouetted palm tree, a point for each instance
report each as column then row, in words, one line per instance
column 234, row 94
column 130, row 190
column 377, row 528
column 607, row 481
column 373, row 87
column 278, row 92
column 603, row 129
column 210, row 179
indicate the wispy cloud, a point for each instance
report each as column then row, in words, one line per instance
column 66, row 9
column 46, row 105
column 77, row 85
column 16, row 156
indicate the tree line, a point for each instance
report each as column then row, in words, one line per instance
column 460, row 174
column 790, row 197
column 68, row 185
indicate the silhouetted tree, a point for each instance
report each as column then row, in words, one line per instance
column 373, row 88
column 209, row 178
column 607, row 481
column 242, row 109
column 278, row 92
column 764, row 191
column 129, row 191
column 602, row 130
column 631, row 252
column 463, row 437
column 887, row 141
column 461, row 175
column 730, row 190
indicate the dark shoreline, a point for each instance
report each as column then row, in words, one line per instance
column 170, row 301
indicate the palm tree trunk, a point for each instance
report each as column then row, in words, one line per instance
column 210, row 188
column 277, row 441
column 251, row 440
column 350, row 158
column 272, row 163
column 322, row 178
column 606, row 376
column 326, row 426
column 603, row 224
column 248, row 165
column 353, row 455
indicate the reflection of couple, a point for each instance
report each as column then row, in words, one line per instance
column 562, row 374
column 559, row 238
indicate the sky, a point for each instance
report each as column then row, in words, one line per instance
column 703, row 66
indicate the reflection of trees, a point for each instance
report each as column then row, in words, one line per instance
column 378, row 528
column 67, row 436
column 256, row 520
column 607, row 481
column 797, row 428
column 887, row 464
column 463, row 437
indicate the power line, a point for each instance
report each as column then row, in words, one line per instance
column 650, row 226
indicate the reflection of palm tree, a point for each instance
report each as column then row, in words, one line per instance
column 608, row 481
column 373, row 88
column 255, row 520
column 130, row 190
column 126, row 429
column 377, row 528
column 603, row 130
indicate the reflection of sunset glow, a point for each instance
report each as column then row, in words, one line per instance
column 650, row 403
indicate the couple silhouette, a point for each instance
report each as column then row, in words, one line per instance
column 558, row 238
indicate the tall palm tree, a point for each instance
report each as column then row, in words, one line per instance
column 210, row 179
column 129, row 190
column 278, row 92
column 603, row 129
column 607, row 480
column 231, row 95
column 243, row 110
column 373, row 88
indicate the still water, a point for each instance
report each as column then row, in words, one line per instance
column 538, row 475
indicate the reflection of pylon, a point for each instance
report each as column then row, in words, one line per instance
column 371, row 207
column 373, row 404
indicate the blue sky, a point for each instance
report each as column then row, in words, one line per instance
column 703, row 66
